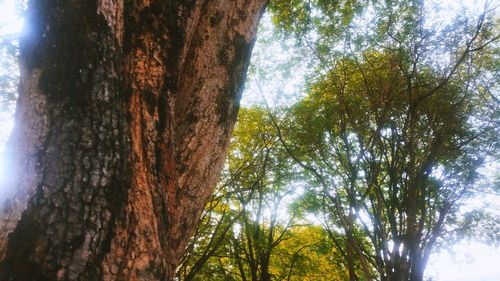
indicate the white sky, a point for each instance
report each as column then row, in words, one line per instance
column 471, row 261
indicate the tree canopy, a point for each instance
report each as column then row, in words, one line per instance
column 364, row 174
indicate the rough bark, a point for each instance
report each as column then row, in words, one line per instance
column 123, row 119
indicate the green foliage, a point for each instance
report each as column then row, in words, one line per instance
column 246, row 232
column 392, row 142
column 322, row 16
column 317, row 25
column 308, row 255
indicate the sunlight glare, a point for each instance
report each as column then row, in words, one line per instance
column 10, row 22
column 466, row 261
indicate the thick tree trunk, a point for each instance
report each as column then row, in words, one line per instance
column 123, row 119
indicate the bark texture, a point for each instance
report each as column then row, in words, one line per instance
column 124, row 116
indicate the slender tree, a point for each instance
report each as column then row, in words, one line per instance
column 261, row 175
column 124, row 114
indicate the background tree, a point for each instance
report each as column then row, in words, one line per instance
column 123, row 119
column 258, row 175
column 262, row 241
column 391, row 138
column 213, row 232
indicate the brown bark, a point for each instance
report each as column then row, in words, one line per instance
column 123, row 120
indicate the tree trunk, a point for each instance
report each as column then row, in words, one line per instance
column 417, row 269
column 265, row 275
column 124, row 115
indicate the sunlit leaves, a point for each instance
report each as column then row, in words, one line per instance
column 308, row 255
